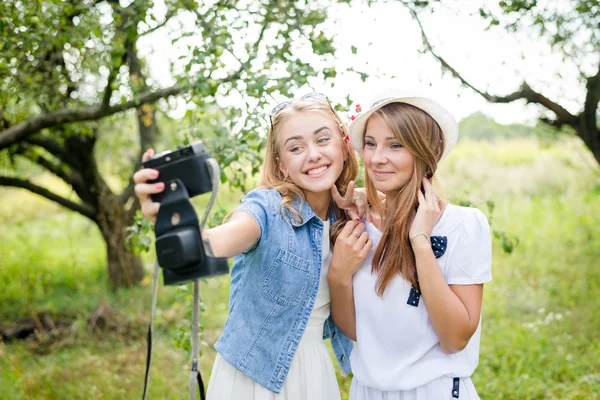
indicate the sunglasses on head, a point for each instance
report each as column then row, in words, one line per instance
column 310, row 97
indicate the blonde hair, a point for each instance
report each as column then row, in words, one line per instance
column 273, row 177
column 420, row 134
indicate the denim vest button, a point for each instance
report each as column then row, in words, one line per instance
column 344, row 358
column 334, row 335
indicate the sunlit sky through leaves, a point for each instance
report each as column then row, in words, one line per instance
column 389, row 45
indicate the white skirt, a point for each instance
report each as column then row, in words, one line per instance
column 440, row 389
column 311, row 376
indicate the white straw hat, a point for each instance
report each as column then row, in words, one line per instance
column 442, row 116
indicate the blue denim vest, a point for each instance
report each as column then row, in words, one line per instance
column 273, row 289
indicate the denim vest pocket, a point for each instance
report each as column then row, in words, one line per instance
column 287, row 279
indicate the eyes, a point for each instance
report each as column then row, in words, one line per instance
column 296, row 148
column 370, row 144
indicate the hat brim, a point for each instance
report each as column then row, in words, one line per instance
column 444, row 119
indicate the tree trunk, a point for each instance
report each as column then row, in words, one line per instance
column 124, row 269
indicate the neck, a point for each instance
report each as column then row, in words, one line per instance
column 319, row 202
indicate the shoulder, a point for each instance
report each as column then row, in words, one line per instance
column 267, row 197
column 467, row 218
column 470, row 257
column 262, row 204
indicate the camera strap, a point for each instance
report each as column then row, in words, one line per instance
column 150, row 332
column 195, row 370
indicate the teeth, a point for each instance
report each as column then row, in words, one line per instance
column 316, row 170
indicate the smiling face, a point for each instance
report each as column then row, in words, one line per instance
column 389, row 165
column 311, row 151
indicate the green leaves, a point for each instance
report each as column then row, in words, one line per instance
column 322, row 45
column 138, row 240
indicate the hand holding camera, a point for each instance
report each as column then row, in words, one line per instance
column 143, row 189
column 164, row 188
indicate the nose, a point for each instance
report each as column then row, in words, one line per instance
column 378, row 156
column 313, row 154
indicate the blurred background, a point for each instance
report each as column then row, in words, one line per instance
column 87, row 85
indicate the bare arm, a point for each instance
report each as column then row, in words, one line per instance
column 233, row 237
column 351, row 248
column 454, row 310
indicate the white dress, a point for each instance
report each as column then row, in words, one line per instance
column 311, row 375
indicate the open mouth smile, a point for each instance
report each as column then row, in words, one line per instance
column 317, row 171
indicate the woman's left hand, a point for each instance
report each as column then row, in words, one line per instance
column 428, row 212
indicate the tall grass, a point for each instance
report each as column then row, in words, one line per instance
column 541, row 314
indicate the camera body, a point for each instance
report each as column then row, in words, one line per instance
column 187, row 164
column 181, row 252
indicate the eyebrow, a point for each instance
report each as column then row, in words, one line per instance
column 298, row 137
column 387, row 138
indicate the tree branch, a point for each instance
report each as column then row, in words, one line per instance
column 168, row 17
column 61, row 116
column 55, row 149
column 67, row 175
column 563, row 117
column 64, row 115
column 83, row 209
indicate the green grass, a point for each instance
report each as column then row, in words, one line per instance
column 541, row 314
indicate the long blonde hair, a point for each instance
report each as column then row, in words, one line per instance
column 420, row 134
column 273, row 177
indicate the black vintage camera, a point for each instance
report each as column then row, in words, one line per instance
column 181, row 252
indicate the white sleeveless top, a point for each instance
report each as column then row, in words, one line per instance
column 397, row 348
column 311, row 375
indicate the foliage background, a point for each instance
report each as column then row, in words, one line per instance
column 540, row 318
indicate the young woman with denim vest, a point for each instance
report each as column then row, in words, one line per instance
column 272, row 344
column 414, row 304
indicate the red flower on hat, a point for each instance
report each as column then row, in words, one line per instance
column 352, row 118
column 358, row 108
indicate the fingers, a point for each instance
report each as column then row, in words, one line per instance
column 361, row 205
column 148, row 154
column 361, row 240
column 420, row 197
column 358, row 230
column 337, row 197
column 144, row 175
column 150, row 210
column 145, row 189
column 429, row 195
column 350, row 191
column 364, row 252
column 348, row 228
column 353, row 214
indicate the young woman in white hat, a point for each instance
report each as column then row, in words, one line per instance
column 414, row 304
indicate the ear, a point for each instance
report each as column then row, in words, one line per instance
column 282, row 167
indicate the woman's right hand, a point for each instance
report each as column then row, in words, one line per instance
column 143, row 189
column 350, row 250
column 354, row 202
